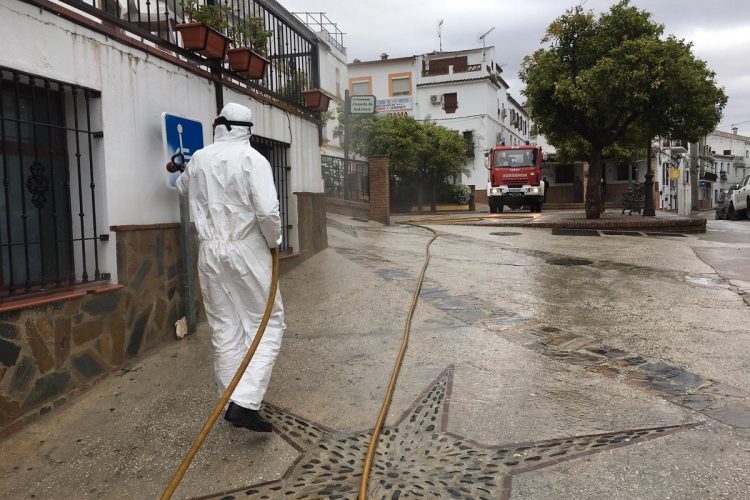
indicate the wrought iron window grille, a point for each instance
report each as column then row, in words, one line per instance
column 48, row 149
column 277, row 154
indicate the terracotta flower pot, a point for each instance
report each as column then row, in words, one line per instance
column 249, row 63
column 203, row 40
column 316, row 100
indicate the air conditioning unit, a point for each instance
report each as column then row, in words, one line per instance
column 436, row 99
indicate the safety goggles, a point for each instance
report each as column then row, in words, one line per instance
column 222, row 120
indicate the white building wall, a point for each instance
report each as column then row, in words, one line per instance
column 334, row 80
column 480, row 102
column 737, row 163
column 136, row 88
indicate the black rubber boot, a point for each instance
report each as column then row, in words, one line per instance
column 244, row 417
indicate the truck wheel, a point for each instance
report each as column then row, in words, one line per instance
column 499, row 207
column 491, row 203
column 732, row 214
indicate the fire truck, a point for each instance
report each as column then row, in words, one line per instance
column 515, row 178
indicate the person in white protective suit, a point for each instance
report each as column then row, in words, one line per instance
column 236, row 212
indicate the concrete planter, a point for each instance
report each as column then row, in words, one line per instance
column 248, row 63
column 203, row 40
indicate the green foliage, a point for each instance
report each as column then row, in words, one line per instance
column 251, row 33
column 616, row 81
column 213, row 16
column 333, row 173
column 298, row 81
column 461, row 193
column 422, row 153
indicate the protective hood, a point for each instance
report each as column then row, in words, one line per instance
column 234, row 112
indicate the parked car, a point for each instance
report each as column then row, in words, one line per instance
column 722, row 204
column 740, row 200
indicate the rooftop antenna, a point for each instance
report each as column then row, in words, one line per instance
column 484, row 58
column 440, row 33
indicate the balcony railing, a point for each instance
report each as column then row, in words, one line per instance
column 456, row 69
column 49, row 237
column 674, row 144
column 293, row 52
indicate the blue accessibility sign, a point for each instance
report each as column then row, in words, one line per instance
column 182, row 137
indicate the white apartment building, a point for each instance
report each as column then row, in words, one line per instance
column 333, row 74
column 460, row 90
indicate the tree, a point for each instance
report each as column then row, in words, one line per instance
column 441, row 154
column 423, row 153
column 616, row 81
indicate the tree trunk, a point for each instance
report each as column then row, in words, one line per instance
column 433, row 201
column 420, row 195
column 593, row 188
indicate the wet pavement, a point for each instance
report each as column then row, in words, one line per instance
column 541, row 365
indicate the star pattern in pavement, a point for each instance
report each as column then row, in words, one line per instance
column 417, row 457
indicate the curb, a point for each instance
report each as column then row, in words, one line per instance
column 674, row 226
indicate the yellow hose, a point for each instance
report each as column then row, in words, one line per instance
column 182, row 469
column 394, row 374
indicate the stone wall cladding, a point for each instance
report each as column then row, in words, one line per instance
column 51, row 351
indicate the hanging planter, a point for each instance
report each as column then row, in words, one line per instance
column 247, row 62
column 316, row 100
column 250, row 41
column 203, row 40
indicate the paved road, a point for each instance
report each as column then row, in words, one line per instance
column 541, row 366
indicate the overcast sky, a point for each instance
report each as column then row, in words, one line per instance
column 719, row 30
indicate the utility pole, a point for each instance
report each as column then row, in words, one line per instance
column 347, row 105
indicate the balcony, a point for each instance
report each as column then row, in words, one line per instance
column 452, row 70
column 291, row 50
column 675, row 145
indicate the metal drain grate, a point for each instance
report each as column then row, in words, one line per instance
column 504, row 233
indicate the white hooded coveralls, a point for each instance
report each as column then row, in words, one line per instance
column 236, row 213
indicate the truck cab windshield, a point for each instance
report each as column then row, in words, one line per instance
column 514, row 158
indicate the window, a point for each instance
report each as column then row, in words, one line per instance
column 563, row 174
column 626, row 172
column 450, row 102
column 400, row 85
column 277, row 154
column 361, row 85
column 48, row 233
column 469, row 140
column 727, row 152
column 338, row 82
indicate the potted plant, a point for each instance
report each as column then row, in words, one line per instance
column 250, row 40
column 204, row 33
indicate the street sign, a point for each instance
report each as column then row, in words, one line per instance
column 182, row 137
column 362, row 104
column 674, row 174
